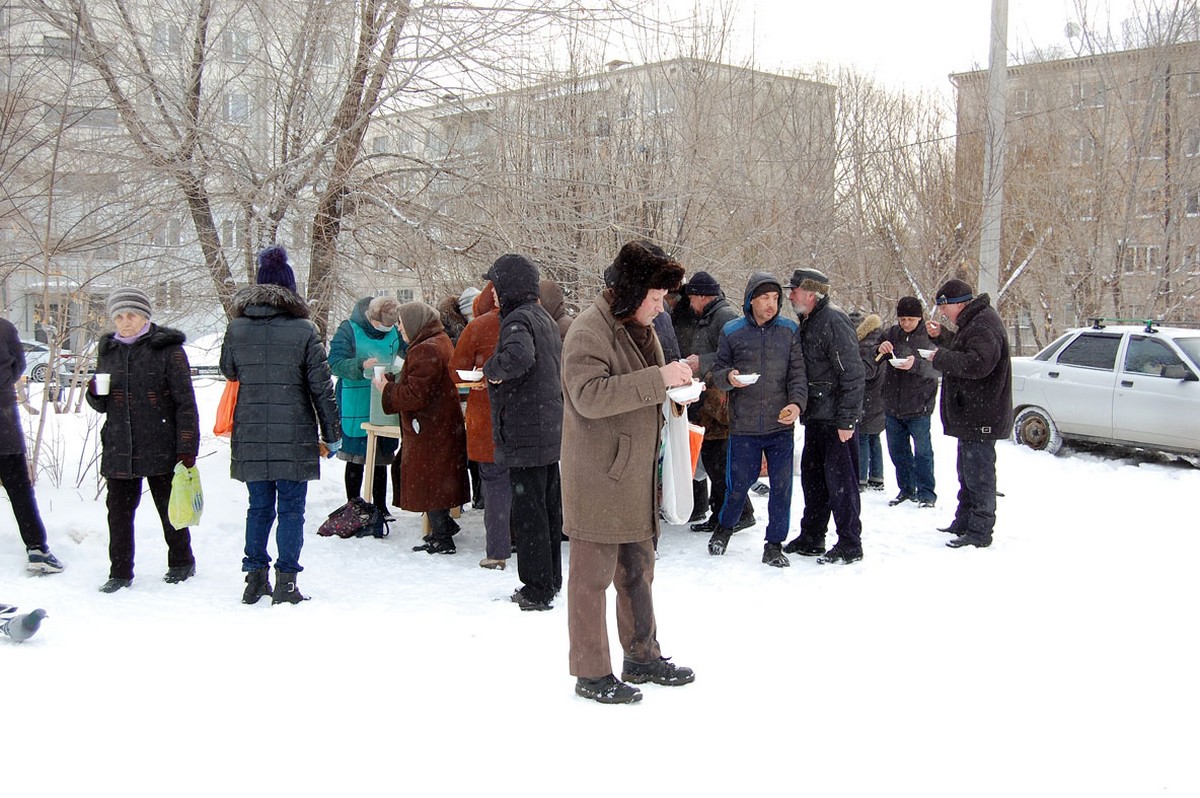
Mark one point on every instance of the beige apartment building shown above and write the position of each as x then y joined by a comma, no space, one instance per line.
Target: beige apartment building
1102,186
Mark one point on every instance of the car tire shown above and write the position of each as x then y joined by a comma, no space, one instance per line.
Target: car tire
1034,428
39,372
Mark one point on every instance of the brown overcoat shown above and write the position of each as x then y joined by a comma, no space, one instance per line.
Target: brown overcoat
612,420
474,347
433,454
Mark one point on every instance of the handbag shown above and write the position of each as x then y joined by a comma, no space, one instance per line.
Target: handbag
677,465
355,519
187,497
225,408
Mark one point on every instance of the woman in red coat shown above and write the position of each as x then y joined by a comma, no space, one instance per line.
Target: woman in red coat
474,347
433,455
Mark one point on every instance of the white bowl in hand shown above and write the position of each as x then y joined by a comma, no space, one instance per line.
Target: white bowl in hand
898,361
686,393
474,375
746,379
927,353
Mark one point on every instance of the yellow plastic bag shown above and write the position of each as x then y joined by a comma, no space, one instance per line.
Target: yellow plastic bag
187,498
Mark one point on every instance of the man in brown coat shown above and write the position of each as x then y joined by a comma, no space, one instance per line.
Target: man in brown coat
614,381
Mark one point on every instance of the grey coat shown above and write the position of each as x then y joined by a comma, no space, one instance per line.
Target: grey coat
286,392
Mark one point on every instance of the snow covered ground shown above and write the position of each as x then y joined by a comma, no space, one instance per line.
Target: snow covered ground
1059,661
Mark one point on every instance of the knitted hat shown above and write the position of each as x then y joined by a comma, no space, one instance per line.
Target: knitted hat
953,292
129,299
766,288
466,301
702,284
639,268
273,268
909,306
809,280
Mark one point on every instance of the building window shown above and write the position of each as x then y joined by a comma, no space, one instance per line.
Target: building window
237,45
379,145
1087,96
1191,142
236,108
1191,203
1191,84
405,294
167,39
1083,150
167,234
231,238
58,47
1138,258
1022,101
1149,203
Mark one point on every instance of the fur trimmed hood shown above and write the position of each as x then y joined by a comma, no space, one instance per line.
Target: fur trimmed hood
865,325
272,296
157,338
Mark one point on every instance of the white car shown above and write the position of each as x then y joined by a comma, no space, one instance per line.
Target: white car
1125,385
37,361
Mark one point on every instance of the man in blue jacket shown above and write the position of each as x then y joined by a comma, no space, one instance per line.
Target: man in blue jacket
829,461
762,410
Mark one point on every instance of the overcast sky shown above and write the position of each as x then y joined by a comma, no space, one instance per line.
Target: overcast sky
914,44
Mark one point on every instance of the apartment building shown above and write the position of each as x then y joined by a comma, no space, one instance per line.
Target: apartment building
1102,186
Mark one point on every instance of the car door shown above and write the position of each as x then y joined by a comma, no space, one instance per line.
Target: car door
1151,404
1078,384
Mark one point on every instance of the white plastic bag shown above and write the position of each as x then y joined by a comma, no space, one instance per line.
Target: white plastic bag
676,466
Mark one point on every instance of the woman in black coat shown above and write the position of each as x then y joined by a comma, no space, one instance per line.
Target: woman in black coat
150,424
285,399
14,472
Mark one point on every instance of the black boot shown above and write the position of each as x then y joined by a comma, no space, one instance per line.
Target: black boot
719,540
286,591
258,584
699,500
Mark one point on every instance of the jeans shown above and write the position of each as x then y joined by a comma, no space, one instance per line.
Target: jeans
870,457
976,513
265,497
497,501
742,469
911,451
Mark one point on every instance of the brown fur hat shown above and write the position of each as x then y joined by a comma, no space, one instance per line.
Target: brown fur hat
640,267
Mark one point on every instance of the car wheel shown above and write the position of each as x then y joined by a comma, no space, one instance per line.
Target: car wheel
39,373
1034,428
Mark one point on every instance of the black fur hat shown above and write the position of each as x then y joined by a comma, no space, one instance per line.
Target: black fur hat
640,267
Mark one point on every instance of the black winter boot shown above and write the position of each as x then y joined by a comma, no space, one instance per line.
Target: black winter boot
286,591
719,541
257,585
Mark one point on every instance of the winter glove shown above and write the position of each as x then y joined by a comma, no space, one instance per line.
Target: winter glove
188,460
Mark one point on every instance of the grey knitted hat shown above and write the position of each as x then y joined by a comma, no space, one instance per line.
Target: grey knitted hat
134,299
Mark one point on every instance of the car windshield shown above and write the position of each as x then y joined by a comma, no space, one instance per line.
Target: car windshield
1191,348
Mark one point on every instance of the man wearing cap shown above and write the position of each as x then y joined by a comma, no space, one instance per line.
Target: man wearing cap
976,403
909,394
829,460
710,312
762,411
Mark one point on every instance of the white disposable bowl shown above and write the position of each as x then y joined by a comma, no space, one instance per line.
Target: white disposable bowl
470,376
927,353
747,379
686,393
897,361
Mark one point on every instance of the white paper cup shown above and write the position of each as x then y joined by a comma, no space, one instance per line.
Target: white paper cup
103,384
380,371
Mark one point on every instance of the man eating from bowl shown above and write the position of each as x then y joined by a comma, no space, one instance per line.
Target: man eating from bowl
760,362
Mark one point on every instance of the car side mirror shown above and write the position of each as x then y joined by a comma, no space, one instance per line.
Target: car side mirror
1178,371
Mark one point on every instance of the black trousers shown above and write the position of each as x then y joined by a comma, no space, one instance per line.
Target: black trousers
14,473
975,516
354,482
829,480
124,496
536,520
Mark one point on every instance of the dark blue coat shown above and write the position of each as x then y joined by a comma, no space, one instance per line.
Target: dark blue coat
836,375
770,350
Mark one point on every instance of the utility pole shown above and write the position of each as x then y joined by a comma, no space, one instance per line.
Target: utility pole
993,153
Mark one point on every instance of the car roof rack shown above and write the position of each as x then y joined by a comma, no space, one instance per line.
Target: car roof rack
1151,324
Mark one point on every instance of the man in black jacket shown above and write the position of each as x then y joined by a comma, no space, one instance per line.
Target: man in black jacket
525,390
909,394
976,403
829,460
709,312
